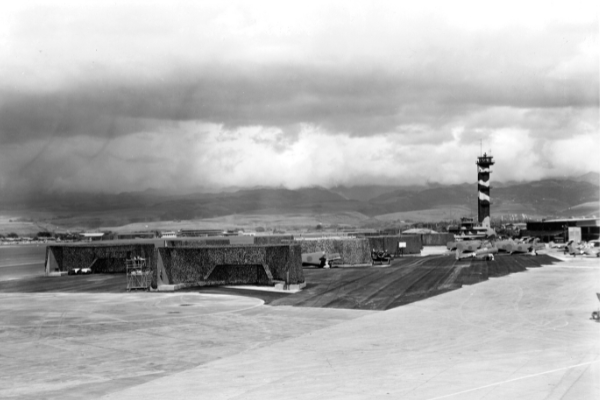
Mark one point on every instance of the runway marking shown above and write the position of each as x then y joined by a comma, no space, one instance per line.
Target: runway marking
513,380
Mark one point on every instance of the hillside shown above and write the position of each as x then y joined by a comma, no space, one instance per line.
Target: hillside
369,192
549,197
590,177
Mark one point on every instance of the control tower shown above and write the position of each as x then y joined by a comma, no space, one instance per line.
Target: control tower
483,185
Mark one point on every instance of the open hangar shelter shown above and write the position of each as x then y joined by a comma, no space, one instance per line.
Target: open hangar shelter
176,267
359,250
227,265
106,257
354,249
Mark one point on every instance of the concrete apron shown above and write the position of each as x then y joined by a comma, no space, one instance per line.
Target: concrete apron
85,345
527,335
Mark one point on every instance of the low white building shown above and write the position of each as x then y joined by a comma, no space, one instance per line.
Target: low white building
91,236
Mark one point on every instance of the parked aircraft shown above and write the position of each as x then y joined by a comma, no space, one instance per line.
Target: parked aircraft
505,245
484,253
529,245
554,245
591,251
468,246
573,248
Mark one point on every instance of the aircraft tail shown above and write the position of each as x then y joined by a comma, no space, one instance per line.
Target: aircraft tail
486,222
490,233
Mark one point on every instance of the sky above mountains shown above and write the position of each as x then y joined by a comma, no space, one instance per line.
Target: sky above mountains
100,96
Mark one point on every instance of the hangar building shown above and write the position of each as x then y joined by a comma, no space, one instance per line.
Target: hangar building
563,229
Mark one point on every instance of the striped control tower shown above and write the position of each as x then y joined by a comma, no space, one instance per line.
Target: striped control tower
483,184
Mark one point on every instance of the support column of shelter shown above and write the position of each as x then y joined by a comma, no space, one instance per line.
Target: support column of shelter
51,264
483,184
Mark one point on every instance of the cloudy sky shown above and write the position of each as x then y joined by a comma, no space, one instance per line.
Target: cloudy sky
121,96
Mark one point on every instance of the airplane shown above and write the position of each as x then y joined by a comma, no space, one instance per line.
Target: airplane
534,241
575,249
554,245
505,245
464,240
485,253
591,251
469,245
526,245
528,248
572,248
592,248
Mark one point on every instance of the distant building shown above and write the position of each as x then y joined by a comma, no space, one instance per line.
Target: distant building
466,226
166,235
136,235
391,231
92,236
516,226
560,229
418,231
360,232
200,232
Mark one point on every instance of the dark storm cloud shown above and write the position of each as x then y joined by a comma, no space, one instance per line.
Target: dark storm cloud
67,113
360,103
116,97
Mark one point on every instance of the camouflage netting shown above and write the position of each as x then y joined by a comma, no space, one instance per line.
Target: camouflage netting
385,243
413,244
390,244
276,239
198,243
101,258
352,251
232,264
437,239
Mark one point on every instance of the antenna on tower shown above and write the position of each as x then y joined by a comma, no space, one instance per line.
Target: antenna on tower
480,147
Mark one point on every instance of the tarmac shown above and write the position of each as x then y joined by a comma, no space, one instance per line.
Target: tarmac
522,336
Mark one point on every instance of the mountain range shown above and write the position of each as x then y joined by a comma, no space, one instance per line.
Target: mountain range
557,197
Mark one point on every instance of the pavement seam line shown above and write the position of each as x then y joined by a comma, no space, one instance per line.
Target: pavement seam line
514,379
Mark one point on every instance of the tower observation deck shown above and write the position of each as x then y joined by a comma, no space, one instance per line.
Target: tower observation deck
483,186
